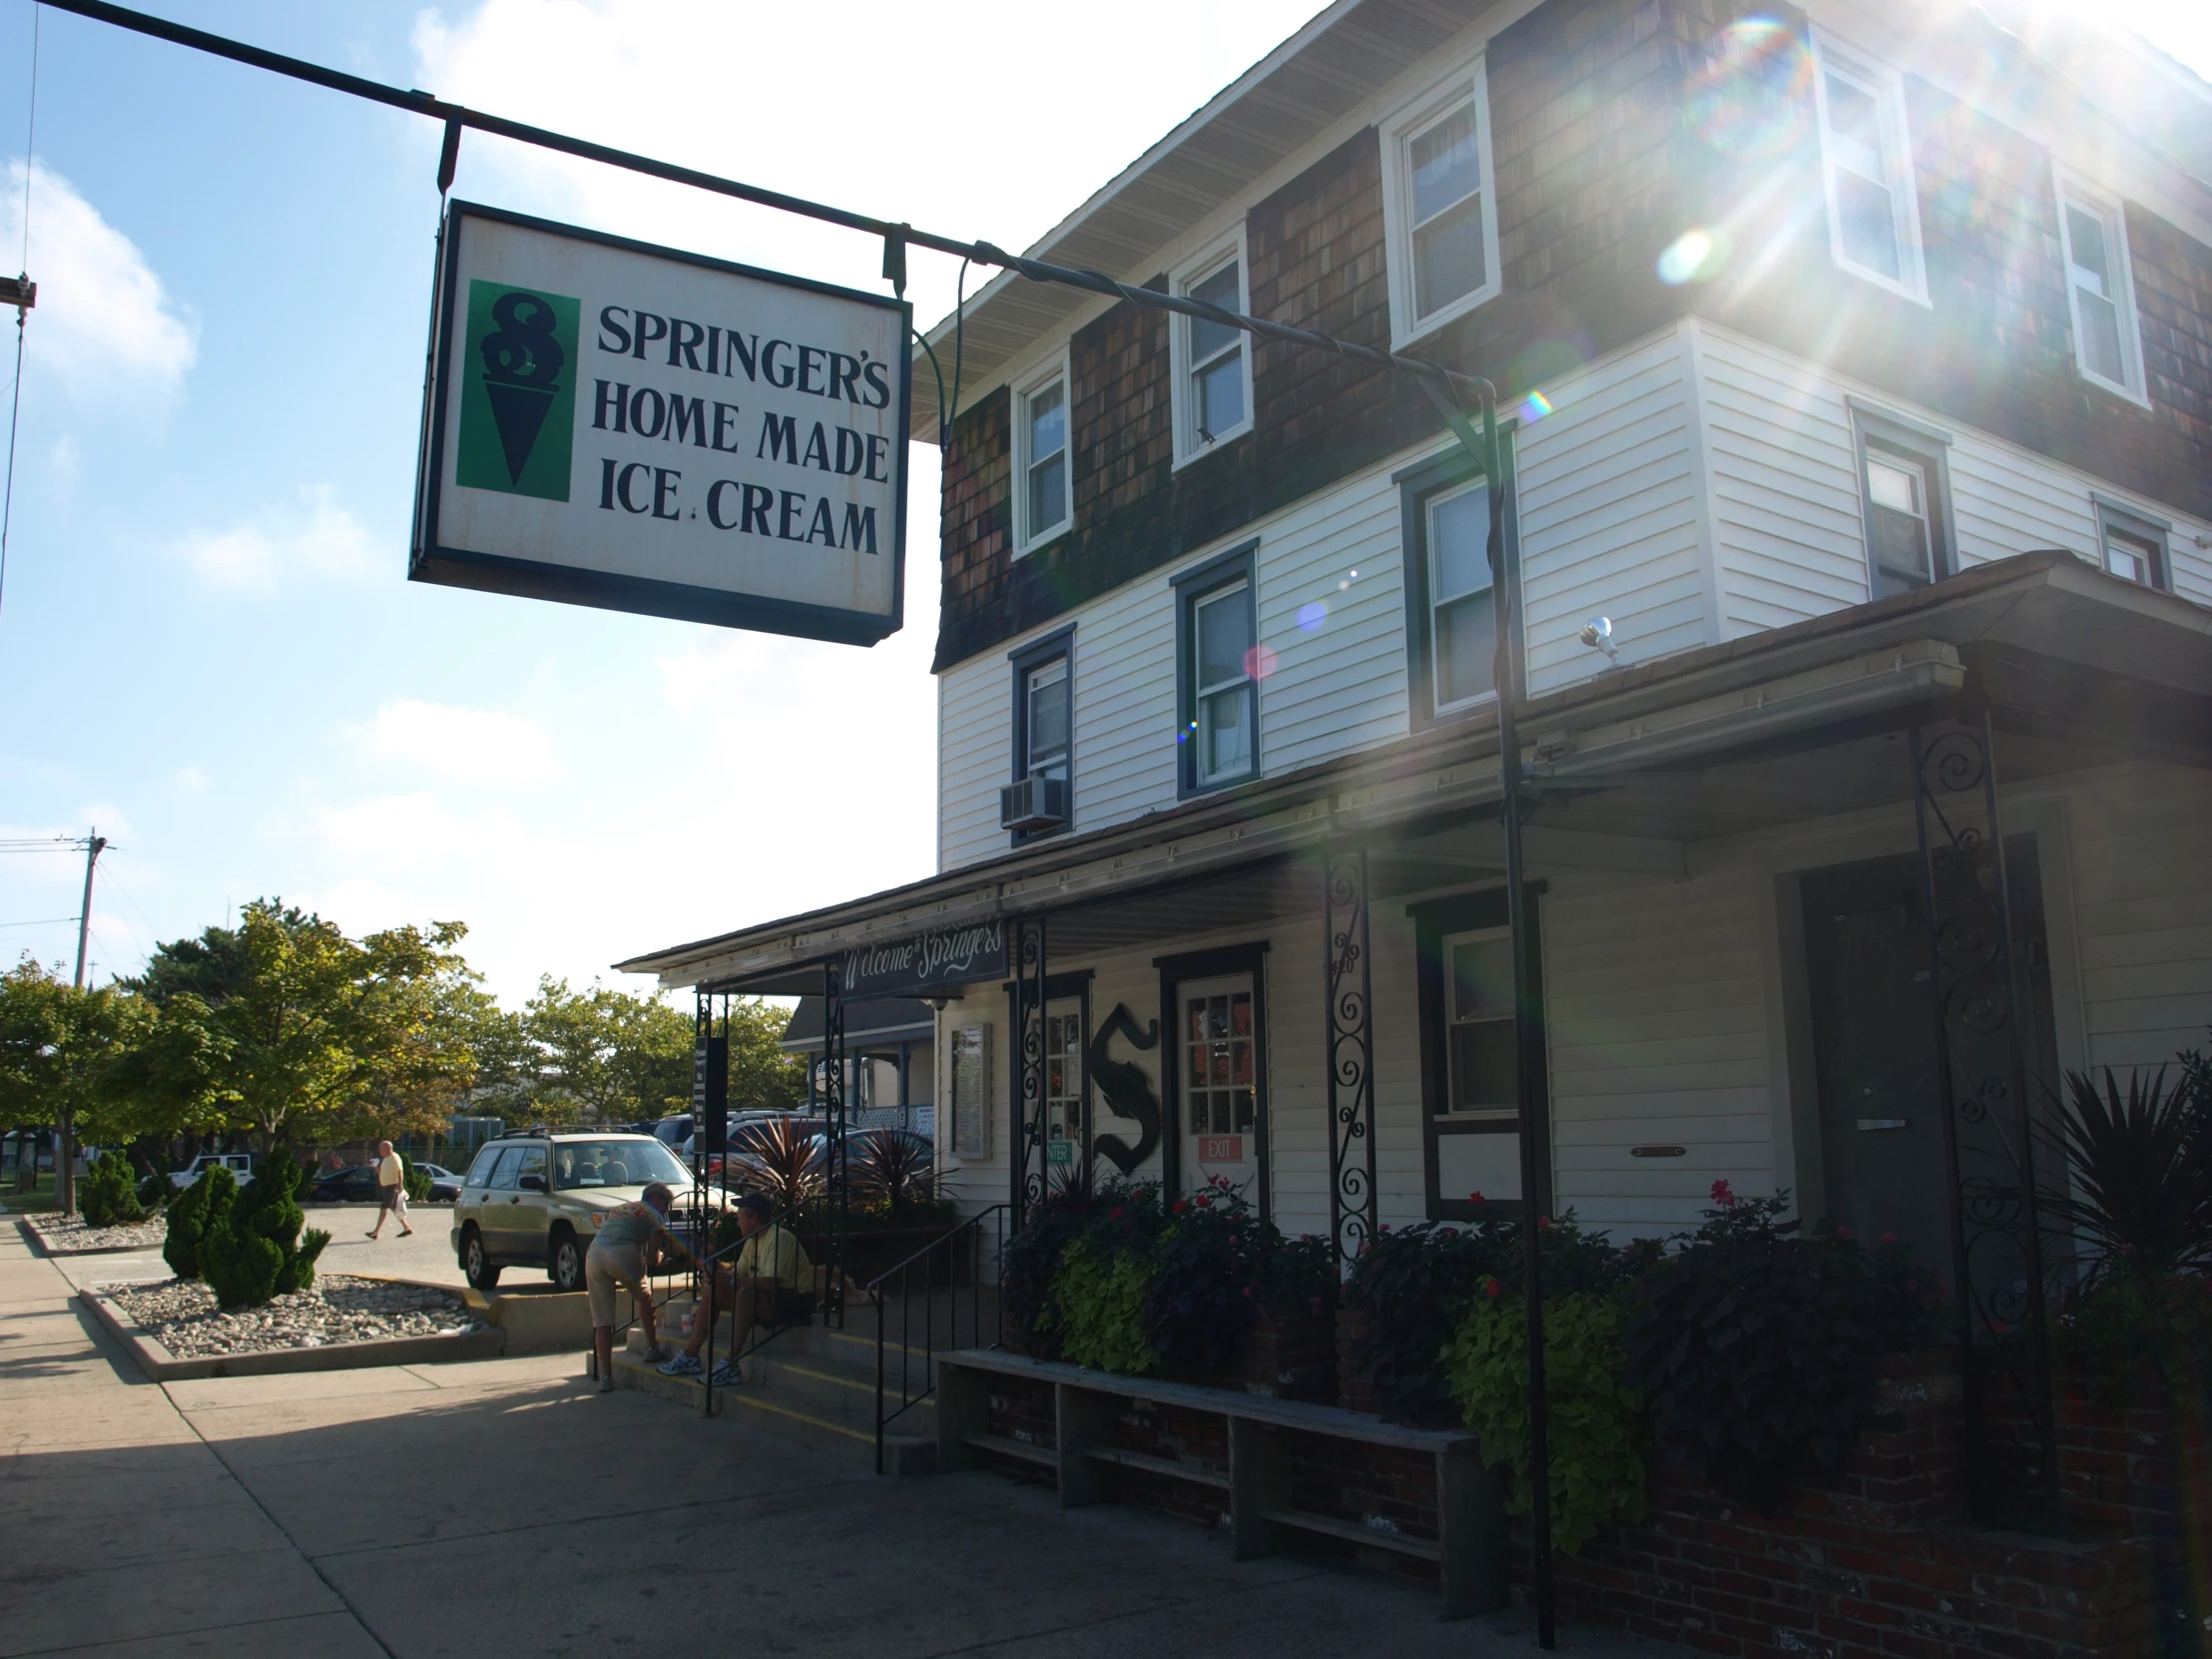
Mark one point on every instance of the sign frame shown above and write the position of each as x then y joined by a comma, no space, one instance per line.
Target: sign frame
457,567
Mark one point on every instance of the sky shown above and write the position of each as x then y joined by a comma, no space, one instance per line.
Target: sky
208,650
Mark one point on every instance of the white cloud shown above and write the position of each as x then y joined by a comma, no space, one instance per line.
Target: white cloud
191,780
408,828
487,746
319,536
105,330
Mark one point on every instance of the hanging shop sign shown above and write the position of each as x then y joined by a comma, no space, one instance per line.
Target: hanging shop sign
637,428
926,961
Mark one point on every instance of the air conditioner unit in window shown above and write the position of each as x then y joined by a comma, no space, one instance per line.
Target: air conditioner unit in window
1033,804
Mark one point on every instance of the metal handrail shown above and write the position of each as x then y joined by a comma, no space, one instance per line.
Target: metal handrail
970,1232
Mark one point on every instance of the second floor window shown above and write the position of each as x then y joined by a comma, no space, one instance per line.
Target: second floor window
2133,548
2100,289
1045,505
1040,799
1213,362
1440,201
1045,725
1217,672
1906,505
1872,213
1464,615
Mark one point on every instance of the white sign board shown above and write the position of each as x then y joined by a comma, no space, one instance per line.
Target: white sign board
614,425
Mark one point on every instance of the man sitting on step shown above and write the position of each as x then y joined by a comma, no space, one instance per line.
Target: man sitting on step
770,1283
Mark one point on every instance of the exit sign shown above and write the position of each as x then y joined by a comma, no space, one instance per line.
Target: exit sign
1221,1149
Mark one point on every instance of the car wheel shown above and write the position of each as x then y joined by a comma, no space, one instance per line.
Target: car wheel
476,1261
566,1269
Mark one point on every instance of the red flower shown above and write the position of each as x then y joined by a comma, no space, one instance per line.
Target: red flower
1477,1197
1180,1206
1723,1196
1114,1214
1543,1223
1491,1287
1889,1238
1843,1232
1205,1201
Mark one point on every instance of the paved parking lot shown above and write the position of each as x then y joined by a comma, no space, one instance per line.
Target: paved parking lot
500,1508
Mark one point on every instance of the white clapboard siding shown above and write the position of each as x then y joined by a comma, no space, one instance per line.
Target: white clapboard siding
1789,526
974,757
1658,1032
1607,496
2141,859
1401,1166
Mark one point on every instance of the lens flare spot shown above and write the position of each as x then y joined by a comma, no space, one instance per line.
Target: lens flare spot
1533,408
1695,256
1751,96
1311,615
1259,662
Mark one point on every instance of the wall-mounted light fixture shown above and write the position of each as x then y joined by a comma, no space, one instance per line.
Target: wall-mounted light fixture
1597,633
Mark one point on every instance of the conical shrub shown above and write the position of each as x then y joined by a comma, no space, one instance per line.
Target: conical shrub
109,1196
206,1202
257,1251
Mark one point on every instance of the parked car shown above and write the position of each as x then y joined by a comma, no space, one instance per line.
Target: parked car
675,1134
536,1200
240,1164
445,1185
355,1183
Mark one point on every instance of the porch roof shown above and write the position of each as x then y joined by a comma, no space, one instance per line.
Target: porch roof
1630,766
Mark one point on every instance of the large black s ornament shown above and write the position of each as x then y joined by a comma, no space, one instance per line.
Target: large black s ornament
1128,1091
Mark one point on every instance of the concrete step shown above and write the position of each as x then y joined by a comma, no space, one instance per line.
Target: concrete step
819,1400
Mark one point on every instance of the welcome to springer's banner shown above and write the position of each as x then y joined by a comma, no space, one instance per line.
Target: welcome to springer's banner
638,428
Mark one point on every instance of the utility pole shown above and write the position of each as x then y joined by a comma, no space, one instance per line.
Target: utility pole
65,1151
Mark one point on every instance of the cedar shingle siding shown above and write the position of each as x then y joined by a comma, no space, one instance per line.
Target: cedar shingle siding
1615,126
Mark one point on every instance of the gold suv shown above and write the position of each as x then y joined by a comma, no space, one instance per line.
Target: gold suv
535,1200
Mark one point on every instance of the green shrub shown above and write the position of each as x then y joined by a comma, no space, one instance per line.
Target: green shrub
1596,1420
154,1192
108,1195
257,1251
1759,1351
205,1202
1030,1265
418,1181
1098,1309
2131,1333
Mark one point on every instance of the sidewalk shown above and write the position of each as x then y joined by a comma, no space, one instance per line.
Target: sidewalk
499,1508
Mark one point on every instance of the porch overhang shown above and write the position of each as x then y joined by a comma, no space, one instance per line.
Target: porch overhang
1629,767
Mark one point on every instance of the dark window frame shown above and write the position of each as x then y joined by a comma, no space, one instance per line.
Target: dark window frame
1026,660
1213,964
1434,921
1202,580
1925,448
1416,486
2155,532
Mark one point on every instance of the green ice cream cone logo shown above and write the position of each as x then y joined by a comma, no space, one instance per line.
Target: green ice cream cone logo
519,395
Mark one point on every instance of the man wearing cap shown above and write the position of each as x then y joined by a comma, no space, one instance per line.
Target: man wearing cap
617,1261
770,1283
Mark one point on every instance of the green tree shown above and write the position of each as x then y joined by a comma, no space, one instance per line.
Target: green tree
61,1054
295,1030
608,1055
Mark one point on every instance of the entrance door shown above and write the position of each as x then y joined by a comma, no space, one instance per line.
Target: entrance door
1066,1136
1875,1049
1224,1104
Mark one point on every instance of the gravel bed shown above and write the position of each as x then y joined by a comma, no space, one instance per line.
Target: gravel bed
64,1235
182,1315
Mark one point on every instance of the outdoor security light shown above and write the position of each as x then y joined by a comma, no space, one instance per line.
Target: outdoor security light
1599,633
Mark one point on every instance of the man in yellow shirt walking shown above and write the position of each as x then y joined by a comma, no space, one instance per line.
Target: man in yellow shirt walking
770,1282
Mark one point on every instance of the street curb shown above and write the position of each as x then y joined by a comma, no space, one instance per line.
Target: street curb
161,1366
37,1236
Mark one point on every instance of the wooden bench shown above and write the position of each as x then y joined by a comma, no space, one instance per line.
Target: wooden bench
1471,1549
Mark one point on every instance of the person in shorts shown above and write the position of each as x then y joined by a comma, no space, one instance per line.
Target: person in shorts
391,1191
770,1283
620,1254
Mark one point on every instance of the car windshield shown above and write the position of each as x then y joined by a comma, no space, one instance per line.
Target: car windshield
626,1163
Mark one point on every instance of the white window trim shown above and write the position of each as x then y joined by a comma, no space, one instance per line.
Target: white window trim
1189,447
1397,193
1472,1114
1054,369
1248,683
2112,211
1888,89
1428,506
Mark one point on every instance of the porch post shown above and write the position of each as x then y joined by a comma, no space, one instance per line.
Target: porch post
1998,1266
1349,1022
1025,1154
833,1115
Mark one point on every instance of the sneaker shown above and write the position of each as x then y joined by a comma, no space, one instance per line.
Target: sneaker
605,1384
683,1365
656,1353
726,1375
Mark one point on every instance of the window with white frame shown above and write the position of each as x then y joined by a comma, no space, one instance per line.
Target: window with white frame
2132,547
1461,603
1874,216
1211,360
1043,488
1217,672
1045,719
2100,289
1441,201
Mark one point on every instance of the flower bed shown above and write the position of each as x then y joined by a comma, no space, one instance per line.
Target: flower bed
185,1318
74,1236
